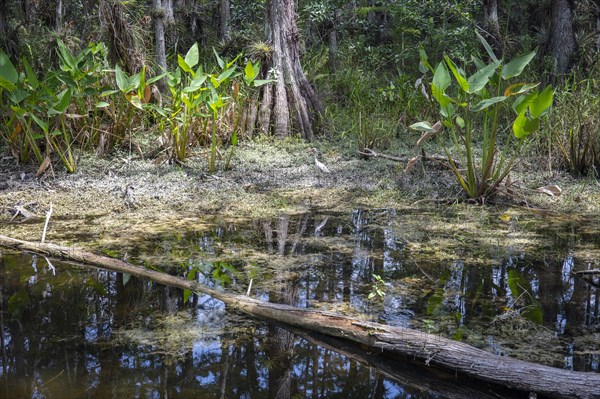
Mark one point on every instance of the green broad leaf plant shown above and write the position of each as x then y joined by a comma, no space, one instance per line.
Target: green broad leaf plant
480,108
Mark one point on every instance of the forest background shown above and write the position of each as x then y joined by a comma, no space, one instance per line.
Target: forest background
170,78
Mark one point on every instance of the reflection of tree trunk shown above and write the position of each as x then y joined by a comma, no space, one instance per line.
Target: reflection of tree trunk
251,365
226,366
300,229
395,341
291,104
562,40
268,230
281,345
284,223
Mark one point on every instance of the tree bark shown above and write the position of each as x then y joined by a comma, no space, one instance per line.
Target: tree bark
333,41
562,40
159,35
292,104
59,15
492,24
225,21
417,345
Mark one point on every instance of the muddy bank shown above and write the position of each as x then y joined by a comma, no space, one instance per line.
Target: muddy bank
109,199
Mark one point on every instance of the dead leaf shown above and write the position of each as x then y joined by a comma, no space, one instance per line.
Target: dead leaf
552,190
427,135
147,95
411,164
43,167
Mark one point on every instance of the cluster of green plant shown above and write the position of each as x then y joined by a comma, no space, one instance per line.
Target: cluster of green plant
477,109
54,112
78,107
575,127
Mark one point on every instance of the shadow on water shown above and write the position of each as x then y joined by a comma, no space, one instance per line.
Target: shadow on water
91,333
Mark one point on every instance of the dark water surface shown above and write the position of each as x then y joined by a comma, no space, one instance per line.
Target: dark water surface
84,332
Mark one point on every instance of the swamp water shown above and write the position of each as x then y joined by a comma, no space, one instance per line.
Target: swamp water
82,332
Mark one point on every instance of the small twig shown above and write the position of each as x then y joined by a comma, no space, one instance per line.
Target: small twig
249,288
48,214
424,273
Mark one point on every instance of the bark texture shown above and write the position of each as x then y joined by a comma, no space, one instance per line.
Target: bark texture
291,104
225,20
417,345
562,41
159,37
492,24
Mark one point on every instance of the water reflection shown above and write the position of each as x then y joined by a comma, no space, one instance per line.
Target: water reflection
83,333
100,334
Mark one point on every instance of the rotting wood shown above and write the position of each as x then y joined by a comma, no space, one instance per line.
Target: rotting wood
417,345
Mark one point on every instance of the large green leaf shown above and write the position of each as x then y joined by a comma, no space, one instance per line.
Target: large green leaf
423,127
226,73
251,72
516,66
183,65
39,122
192,57
480,79
122,79
64,99
219,59
487,47
523,126
7,69
522,103
440,96
424,64
66,57
543,103
458,73
441,77
196,84
483,104
31,78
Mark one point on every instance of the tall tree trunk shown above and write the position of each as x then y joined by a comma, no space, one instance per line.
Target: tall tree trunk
291,104
225,21
59,15
333,41
490,17
562,40
3,22
29,8
159,34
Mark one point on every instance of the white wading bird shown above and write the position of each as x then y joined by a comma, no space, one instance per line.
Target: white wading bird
321,167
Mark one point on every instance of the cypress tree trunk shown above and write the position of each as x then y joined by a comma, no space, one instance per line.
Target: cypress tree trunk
225,21
562,41
291,104
490,16
159,34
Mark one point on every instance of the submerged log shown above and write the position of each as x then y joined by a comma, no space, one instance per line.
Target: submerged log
417,345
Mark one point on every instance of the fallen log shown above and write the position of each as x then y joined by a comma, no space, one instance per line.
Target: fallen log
417,345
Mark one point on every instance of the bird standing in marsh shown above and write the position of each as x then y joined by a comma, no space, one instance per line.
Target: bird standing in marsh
320,166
